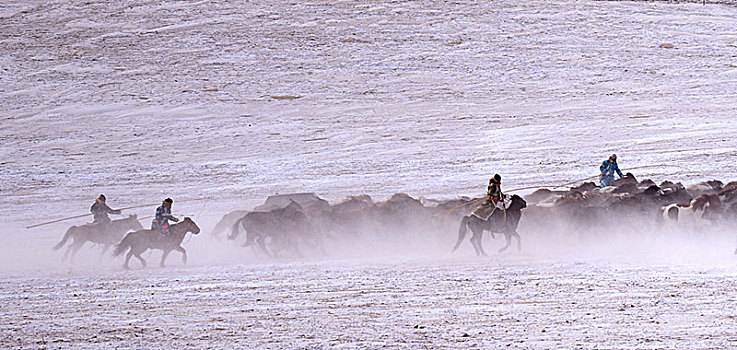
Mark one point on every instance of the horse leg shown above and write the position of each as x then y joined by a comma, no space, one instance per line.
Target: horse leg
508,237
262,244
67,253
294,243
519,240
462,229
138,255
105,247
75,248
163,257
479,242
476,241
184,253
127,259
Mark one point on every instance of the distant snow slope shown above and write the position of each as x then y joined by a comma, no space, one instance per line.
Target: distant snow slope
238,100
220,104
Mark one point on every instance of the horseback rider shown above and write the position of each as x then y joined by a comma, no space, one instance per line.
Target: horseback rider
494,199
608,167
100,210
163,215
494,191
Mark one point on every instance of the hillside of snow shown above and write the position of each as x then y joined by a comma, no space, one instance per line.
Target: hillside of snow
219,104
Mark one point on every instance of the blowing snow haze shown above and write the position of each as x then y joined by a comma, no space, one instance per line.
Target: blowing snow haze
219,105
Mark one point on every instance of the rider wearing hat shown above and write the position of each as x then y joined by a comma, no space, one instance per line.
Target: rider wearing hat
608,167
163,215
100,210
494,199
494,191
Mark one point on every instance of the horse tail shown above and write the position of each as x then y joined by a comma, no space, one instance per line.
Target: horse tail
462,231
221,226
234,232
224,223
64,240
124,244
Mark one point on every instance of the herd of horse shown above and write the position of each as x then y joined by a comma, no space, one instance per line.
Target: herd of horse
284,223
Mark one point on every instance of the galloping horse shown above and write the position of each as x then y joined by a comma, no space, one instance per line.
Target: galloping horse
281,225
498,222
97,233
704,209
143,240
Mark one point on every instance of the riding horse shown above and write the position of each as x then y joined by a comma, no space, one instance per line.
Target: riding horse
97,233
498,222
143,240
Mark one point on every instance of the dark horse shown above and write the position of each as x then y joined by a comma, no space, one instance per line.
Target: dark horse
281,225
143,240
496,223
96,233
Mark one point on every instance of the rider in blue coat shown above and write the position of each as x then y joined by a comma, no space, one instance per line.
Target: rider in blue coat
163,215
608,168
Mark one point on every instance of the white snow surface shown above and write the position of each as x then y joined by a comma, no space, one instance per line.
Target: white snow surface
219,104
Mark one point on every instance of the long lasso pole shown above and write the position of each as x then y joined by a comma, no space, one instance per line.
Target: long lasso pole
84,215
124,208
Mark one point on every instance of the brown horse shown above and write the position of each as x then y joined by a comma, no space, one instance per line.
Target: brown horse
97,233
498,222
282,226
143,240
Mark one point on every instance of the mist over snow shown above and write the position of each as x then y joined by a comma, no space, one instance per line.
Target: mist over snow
220,104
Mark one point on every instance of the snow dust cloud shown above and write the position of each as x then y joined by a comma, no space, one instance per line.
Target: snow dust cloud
220,105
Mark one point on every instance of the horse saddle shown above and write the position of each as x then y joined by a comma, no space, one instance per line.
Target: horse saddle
485,210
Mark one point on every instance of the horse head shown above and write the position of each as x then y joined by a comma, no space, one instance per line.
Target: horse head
190,225
517,203
292,207
652,190
571,198
133,222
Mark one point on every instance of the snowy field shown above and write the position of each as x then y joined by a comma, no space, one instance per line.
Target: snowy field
219,104
510,302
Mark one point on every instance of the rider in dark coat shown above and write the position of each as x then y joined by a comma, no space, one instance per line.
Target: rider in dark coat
494,198
163,215
494,191
100,210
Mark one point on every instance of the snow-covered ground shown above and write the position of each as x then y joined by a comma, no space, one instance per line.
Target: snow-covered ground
516,302
219,104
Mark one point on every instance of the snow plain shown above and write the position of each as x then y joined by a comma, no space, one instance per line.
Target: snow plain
219,104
